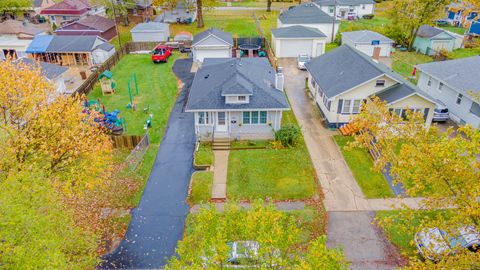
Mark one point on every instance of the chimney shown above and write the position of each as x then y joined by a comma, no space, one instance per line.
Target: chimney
279,80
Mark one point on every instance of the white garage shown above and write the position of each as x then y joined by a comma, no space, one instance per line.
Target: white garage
294,40
369,42
212,43
150,32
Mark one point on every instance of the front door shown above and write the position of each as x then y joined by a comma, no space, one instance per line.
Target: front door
221,122
376,53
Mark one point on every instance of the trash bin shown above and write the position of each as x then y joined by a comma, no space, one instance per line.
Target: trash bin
83,74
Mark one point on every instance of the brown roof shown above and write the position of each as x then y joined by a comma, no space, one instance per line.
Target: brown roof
13,27
67,7
97,22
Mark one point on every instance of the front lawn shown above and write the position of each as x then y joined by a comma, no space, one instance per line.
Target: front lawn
204,156
404,62
462,53
271,173
454,29
372,183
201,192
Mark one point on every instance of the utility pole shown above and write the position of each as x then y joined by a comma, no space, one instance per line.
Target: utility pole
334,19
116,26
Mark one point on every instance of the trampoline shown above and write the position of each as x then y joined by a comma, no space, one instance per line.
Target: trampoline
246,47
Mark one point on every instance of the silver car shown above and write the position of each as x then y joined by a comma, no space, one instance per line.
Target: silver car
440,114
302,60
432,243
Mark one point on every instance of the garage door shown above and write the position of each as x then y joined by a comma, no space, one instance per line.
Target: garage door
438,45
201,54
294,47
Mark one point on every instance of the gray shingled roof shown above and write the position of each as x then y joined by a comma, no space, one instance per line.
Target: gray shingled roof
461,74
297,31
343,2
395,93
427,31
345,68
225,36
51,71
72,43
105,46
150,27
366,36
245,75
307,13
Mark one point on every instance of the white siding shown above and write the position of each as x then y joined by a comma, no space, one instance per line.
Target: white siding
295,47
150,36
200,53
360,10
385,48
326,28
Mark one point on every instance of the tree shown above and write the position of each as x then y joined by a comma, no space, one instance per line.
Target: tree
277,234
204,5
409,15
14,5
269,5
442,167
119,8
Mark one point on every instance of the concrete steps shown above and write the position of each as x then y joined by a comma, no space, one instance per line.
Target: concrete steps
221,144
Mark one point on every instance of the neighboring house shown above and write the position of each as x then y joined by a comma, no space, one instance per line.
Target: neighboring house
431,40
344,8
39,5
140,11
370,43
462,14
150,31
212,43
53,73
66,11
183,11
237,98
451,82
294,40
16,36
71,50
342,79
309,15
93,25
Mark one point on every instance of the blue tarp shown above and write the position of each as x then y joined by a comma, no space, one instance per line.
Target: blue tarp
475,28
451,15
39,44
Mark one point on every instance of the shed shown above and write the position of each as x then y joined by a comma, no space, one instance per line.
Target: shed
212,43
369,42
150,32
294,40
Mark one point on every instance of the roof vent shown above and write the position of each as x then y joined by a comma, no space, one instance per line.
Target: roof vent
206,76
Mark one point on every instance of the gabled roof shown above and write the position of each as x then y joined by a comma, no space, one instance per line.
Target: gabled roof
73,43
67,7
97,22
222,76
150,27
345,68
460,74
14,27
105,46
344,2
298,31
366,36
222,35
427,31
39,44
51,71
307,13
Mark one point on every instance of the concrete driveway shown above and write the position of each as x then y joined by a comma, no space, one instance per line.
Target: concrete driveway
349,219
157,223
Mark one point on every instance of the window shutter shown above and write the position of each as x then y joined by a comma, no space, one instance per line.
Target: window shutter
340,104
425,113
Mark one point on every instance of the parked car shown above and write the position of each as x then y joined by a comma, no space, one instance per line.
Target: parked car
302,60
161,53
352,16
433,243
440,114
243,254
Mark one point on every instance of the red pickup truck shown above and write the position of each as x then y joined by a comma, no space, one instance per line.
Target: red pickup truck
161,53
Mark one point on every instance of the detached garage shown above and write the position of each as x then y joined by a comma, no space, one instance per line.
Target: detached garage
291,41
212,43
369,42
150,32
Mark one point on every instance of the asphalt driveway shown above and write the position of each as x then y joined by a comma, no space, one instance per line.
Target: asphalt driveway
158,222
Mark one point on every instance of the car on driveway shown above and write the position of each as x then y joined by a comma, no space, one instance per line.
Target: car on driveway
433,243
161,53
440,114
302,60
244,254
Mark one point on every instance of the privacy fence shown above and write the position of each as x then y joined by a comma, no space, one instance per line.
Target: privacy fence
267,46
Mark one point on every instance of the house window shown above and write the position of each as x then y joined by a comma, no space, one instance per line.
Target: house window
380,83
242,98
255,117
363,6
53,19
346,106
429,83
314,84
440,86
203,118
356,106
331,9
398,111
64,18
351,106
459,99
351,8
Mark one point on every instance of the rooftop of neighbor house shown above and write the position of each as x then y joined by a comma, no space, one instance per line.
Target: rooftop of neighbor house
219,77
344,2
344,68
427,31
51,71
366,36
150,27
220,34
65,44
461,74
93,22
14,27
297,31
307,13
67,7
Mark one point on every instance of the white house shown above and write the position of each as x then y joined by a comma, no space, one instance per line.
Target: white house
369,42
342,79
344,8
294,40
53,73
212,43
309,15
452,82
150,32
237,98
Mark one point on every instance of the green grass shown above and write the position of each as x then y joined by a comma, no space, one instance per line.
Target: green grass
462,53
372,183
454,29
330,46
404,62
277,174
250,144
204,155
268,21
201,187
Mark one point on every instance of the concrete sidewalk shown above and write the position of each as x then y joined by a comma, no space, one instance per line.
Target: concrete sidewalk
282,206
219,188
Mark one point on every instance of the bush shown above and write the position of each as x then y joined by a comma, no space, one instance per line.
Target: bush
288,135
368,16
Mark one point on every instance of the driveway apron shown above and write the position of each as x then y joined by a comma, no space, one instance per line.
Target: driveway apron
158,222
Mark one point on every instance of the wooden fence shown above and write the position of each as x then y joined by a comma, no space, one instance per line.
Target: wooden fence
125,141
268,48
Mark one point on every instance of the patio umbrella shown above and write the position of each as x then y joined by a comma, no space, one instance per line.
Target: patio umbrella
183,36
